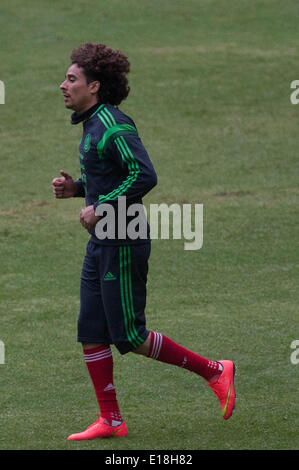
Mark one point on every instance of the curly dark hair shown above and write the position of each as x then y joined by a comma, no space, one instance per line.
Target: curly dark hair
106,65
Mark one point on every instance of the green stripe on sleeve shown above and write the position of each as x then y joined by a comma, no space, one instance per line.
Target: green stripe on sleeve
112,133
116,132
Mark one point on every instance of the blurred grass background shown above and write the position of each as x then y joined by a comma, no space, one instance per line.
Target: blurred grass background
210,95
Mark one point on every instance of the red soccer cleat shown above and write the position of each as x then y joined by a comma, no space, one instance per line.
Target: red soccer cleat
223,387
100,429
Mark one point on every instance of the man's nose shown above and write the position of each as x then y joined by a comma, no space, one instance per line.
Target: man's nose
62,86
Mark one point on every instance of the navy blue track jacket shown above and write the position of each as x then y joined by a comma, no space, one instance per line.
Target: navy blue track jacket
114,163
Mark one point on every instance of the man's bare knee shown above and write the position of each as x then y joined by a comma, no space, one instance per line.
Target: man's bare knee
91,345
144,348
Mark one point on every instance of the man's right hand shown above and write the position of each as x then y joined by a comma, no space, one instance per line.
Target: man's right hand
64,186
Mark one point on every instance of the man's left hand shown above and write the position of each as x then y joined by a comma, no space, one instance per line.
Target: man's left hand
88,219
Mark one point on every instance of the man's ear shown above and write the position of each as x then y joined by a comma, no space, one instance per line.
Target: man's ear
94,87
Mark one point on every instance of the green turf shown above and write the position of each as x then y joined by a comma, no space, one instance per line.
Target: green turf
210,94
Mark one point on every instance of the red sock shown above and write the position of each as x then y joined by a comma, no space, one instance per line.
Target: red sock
99,362
165,350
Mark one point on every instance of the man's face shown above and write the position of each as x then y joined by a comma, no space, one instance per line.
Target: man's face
78,94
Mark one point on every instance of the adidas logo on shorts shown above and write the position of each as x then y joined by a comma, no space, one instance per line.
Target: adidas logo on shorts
109,277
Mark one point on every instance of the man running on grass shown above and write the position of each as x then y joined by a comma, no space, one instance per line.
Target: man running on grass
115,165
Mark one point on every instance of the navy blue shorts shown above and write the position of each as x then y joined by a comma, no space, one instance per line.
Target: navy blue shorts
113,295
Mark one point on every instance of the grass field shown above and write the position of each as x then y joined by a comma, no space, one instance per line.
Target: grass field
210,94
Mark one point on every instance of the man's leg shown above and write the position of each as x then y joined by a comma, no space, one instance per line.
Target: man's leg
94,336
99,362
220,375
98,358
160,347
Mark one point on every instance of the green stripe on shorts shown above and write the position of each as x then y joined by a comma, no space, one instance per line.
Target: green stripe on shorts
127,296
